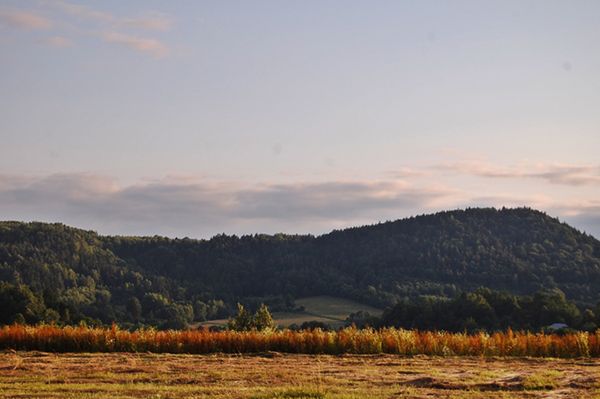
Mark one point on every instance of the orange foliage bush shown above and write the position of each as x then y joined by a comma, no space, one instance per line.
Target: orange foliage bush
349,340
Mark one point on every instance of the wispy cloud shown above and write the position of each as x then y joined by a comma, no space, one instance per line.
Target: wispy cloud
24,19
200,208
58,41
407,172
575,175
153,47
82,11
150,20
331,199
70,19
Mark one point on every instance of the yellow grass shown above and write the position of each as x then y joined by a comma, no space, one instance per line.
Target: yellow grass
27,375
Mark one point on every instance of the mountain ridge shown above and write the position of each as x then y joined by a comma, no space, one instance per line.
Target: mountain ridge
75,274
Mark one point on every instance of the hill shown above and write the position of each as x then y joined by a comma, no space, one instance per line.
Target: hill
56,272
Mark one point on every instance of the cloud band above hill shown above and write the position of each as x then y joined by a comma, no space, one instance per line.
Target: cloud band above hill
178,204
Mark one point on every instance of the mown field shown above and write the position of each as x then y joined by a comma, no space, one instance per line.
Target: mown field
278,376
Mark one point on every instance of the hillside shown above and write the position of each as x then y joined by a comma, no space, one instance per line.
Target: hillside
55,272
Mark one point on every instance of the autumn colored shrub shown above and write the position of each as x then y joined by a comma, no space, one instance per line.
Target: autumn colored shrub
52,338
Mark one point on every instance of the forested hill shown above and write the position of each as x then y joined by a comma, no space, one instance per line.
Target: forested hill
55,272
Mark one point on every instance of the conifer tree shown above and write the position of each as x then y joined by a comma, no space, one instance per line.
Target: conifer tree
263,319
242,321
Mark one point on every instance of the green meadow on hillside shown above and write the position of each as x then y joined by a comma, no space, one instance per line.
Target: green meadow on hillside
325,309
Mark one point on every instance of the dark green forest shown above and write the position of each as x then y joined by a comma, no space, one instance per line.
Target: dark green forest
56,273
485,309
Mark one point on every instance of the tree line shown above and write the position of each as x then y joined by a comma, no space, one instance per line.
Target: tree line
55,273
487,310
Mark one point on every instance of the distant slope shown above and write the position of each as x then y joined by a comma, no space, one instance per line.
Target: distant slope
325,309
70,274
334,308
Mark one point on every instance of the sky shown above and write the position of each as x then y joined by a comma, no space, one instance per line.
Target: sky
194,118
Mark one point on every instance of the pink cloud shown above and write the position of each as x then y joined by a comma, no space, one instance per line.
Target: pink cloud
144,45
187,206
24,20
187,201
149,21
58,41
574,175
82,11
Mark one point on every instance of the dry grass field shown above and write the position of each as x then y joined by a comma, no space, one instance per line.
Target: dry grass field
278,376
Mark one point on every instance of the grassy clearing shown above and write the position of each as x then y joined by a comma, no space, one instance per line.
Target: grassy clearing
123,375
326,309
334,308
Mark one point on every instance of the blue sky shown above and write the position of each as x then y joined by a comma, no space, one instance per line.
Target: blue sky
191,118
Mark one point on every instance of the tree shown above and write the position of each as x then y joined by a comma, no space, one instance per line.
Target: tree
154,305
200,310
134,308
178,316
263,319
19,304
361,319
242,321
551,306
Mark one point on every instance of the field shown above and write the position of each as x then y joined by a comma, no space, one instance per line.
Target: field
349,363
278,376
326,309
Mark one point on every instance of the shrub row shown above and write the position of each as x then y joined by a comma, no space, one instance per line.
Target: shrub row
350,340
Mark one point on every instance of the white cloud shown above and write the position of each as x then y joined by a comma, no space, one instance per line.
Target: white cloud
574,175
